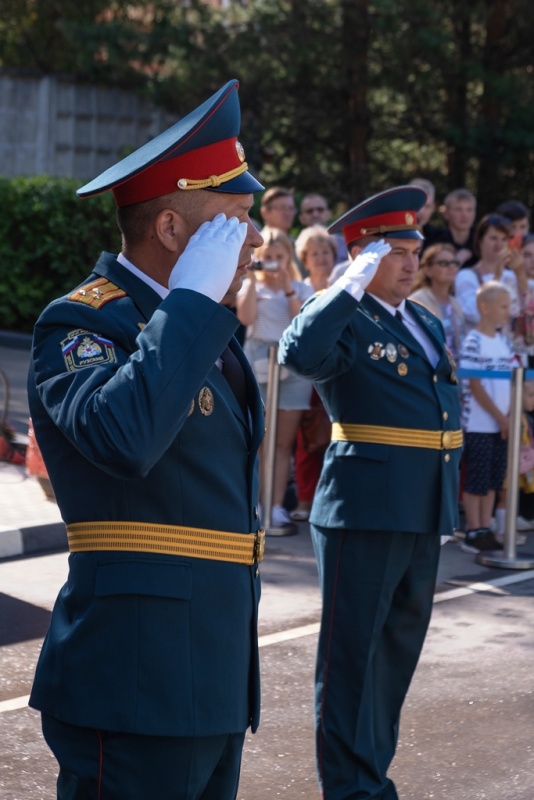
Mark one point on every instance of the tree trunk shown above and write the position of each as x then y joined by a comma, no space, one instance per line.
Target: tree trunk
491,113
456,99
355,33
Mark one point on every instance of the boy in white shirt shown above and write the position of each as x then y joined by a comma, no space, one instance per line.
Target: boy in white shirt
485,408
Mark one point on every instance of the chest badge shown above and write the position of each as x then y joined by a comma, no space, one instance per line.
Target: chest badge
403,351
376,351
205,401
391,352
402,369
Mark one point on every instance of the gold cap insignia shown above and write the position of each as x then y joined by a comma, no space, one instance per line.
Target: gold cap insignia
240,151
409,218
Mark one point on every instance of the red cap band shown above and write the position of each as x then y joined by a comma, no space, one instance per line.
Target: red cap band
394,220
163,176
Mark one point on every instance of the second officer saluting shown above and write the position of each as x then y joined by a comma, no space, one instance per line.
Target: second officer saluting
388,487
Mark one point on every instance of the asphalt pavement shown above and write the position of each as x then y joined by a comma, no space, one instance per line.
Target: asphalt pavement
467,726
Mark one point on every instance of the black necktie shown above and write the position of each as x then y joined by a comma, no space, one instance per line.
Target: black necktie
235,375
399,316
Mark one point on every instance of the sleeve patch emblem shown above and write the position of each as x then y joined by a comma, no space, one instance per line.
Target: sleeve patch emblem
84,349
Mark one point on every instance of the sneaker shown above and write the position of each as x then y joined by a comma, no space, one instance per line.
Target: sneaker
281,525
480,541
301,512
522,524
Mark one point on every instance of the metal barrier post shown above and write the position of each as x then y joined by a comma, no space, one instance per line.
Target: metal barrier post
508,559
269,460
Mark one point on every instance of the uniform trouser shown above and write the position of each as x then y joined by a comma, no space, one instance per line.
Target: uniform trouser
98,765
377,589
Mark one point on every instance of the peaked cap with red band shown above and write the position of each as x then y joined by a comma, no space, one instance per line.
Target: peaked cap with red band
200,152
391,213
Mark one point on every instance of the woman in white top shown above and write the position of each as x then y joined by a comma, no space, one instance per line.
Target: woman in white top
433,288
269,299
497,262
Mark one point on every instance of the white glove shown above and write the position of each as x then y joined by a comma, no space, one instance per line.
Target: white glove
362,270
210,259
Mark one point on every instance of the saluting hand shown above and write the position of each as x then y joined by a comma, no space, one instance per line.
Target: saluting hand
209,261
361,272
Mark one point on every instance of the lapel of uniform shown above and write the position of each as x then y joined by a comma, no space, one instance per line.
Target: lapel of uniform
398,331
254,401
431,325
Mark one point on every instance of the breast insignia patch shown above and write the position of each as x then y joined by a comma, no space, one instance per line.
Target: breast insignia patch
84,349
97,293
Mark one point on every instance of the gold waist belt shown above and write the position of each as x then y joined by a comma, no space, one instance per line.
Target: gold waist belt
174,540
403,437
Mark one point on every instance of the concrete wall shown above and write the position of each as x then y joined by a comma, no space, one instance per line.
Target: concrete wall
54,126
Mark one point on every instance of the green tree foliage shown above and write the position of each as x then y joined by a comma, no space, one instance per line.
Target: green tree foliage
339,96
49,242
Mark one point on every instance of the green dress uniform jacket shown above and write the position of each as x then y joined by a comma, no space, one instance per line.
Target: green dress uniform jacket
369,370
137,423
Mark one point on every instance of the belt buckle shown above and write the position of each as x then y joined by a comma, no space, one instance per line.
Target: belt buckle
259,545
446,440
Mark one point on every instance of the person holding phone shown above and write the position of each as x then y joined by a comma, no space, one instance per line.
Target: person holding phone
496,261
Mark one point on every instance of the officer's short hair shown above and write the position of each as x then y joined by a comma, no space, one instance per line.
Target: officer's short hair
134,221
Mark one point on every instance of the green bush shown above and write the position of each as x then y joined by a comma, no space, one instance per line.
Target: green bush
49,242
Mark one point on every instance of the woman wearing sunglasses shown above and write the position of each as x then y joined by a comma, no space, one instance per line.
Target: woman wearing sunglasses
433,288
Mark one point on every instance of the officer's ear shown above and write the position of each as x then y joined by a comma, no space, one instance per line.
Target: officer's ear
171,230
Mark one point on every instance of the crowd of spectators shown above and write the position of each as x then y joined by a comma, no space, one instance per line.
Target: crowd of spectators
461,254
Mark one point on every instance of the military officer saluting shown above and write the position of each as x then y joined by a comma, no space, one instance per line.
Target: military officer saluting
149,420
388,488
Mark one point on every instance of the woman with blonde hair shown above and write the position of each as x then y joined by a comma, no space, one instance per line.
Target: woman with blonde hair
316,250
271,295
434,287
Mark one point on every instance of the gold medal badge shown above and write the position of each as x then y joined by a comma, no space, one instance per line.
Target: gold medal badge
205,401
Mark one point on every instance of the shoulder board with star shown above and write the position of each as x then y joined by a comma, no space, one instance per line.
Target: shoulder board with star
97,293
425,309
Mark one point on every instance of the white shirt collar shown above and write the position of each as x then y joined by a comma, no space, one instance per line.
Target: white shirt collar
391,309
161,290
